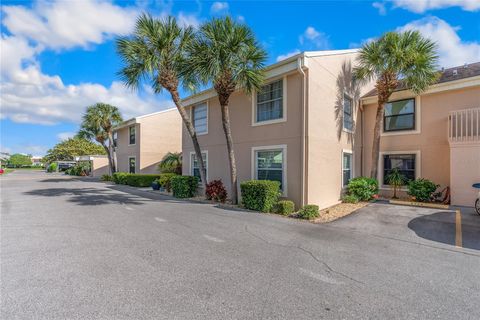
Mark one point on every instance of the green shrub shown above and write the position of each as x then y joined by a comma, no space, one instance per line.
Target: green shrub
184,186
350,198
363,188
165,181
106,177
52,167
141,180
421,189
120,177
260,195
310,211
284,207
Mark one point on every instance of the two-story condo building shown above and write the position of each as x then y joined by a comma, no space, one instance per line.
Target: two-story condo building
142,142
311,126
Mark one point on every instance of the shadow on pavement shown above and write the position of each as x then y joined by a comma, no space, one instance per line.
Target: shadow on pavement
88,196
440,227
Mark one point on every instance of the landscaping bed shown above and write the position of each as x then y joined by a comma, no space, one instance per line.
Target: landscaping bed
338,211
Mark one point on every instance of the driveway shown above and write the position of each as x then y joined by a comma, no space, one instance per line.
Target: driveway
80,249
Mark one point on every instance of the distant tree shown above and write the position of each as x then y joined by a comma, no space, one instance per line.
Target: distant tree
171,163
396,57
68,149
97,124
18,160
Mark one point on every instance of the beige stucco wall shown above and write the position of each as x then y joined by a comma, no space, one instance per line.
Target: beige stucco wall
431,141
100,166
464,171
246,137
156,135
329,79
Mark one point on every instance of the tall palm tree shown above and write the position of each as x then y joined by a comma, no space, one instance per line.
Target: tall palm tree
98,123
155,53
396,57
226,54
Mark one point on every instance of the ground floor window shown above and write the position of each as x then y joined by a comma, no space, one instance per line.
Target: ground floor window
131,165
405,163
195,166
347,172
270,165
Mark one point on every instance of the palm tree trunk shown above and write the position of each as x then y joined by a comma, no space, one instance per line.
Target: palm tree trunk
110,163
191,131
376,140
111,153
231,153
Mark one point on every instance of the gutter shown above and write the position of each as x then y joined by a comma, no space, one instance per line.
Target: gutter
304,184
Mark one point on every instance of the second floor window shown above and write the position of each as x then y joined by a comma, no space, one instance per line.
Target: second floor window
200,118
270,102
347,113
131,133
399,115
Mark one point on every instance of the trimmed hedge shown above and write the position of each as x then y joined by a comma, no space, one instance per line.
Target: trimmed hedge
363,188
120,177
141,180
284,207
184,186
421,189
52,167
310,211
165,181
260,195
106,177
350,198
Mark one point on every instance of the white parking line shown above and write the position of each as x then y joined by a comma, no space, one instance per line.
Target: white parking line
206,236
160,219
318,276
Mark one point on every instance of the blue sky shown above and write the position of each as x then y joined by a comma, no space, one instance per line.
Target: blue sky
59,57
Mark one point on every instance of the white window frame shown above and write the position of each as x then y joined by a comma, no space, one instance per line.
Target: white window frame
346,95
135,164
284,104
418,117
352,165
283,148
418,166
193,120
135,127
192,153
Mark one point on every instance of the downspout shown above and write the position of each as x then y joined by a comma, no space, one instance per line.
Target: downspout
304,184
361,137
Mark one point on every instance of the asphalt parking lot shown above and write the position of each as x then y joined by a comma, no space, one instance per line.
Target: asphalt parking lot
81,249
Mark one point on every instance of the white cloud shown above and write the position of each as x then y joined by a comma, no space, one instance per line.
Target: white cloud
380,6
420,6
29,95
452,50
65,135
219,7
61,24
313,38
187,20
288,55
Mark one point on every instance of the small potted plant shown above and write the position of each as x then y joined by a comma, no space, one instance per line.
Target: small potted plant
396,179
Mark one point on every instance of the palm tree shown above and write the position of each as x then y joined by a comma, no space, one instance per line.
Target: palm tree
226,54
155,53
171,162
98,123
396,57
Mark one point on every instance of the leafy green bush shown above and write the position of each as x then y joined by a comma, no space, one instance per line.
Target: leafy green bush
350,198
52,167
363,188
165,181
120,177
260,195
82,168
106,177
216,191
184,186
421,189
141,180
310,211
284,207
